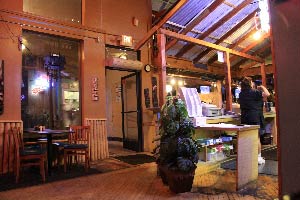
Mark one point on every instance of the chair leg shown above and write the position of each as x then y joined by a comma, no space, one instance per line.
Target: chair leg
42,169
87,161
65,162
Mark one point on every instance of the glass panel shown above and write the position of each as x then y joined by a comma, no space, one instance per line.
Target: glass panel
131,129
36,109
130,102
67,10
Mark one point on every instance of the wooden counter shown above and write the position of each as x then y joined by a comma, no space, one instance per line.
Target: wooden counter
223,119
247,144
235,119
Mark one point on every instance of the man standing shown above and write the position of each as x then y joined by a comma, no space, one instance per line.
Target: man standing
251,103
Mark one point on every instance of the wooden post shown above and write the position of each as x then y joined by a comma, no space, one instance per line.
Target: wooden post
263,74
228,83
160,62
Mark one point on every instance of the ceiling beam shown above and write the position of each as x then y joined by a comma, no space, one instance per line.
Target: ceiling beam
209,45
187,47
189,27
160,24
235,44
226,35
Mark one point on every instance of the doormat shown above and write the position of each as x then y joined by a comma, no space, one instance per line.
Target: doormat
269,168
136,159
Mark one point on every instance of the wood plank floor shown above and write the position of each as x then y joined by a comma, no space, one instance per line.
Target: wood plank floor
139,182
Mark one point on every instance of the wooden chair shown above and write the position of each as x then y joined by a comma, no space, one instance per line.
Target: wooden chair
78,146
27,156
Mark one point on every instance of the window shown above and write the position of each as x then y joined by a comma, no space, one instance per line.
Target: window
66,10
36,88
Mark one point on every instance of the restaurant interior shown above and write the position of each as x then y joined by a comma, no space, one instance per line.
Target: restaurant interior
82,65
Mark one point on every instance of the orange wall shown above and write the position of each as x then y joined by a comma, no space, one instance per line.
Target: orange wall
121,14
93,66
15,5
12,57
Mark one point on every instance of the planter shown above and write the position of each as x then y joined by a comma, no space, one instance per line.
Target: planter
179,181
162,172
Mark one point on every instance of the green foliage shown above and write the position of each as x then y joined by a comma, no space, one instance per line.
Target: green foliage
177,148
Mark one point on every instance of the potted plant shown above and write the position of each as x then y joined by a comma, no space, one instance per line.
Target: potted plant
177,152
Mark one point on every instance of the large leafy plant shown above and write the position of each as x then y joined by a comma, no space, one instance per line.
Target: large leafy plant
177,149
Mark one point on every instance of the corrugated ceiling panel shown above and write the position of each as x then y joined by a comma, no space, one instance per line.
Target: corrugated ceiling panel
228,25
213,17
174,49
208,56
191,9
234,2
241,31
191,54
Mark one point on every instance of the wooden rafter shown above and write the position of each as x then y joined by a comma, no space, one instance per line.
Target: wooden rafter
235,44
209,45
160,24
226,35
195,21
187,47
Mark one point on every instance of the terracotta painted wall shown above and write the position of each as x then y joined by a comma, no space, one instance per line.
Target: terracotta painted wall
11,5
12,57
93,66
285,18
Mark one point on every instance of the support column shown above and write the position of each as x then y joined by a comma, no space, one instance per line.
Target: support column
263,74
160,62
228,83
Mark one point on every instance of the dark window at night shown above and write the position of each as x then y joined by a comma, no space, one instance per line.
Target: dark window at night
63,54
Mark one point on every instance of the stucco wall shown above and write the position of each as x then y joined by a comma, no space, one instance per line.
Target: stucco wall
12,57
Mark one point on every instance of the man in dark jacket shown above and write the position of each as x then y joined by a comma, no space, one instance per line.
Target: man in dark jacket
251,103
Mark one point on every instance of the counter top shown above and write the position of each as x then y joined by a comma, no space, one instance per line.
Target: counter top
227,127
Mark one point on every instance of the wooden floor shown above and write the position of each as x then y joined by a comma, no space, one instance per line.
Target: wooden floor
142,183
139,182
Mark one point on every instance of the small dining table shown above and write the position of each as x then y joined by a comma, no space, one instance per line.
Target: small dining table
48,133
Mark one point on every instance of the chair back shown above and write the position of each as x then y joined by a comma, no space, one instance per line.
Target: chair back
80,136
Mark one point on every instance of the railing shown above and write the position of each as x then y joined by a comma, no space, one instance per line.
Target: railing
98,138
